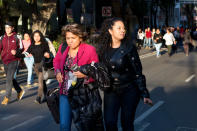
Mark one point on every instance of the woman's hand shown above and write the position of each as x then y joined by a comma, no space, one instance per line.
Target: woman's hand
47,55
13,52
78,74
148,101
59,77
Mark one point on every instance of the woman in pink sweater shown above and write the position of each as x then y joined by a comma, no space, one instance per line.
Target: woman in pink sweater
29,60
74,52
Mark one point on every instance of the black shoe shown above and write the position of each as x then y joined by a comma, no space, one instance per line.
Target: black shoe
38,100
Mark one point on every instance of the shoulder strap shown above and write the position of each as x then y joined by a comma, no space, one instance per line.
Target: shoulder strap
1,39
64,46
17,41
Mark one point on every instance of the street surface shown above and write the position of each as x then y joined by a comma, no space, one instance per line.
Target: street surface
170,80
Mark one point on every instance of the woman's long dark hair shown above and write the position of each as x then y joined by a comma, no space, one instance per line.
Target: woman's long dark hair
42,38
104,41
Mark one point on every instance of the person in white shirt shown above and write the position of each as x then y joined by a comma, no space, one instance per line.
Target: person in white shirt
140,38
170,40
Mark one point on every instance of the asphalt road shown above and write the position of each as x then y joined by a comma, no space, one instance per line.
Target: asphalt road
170,80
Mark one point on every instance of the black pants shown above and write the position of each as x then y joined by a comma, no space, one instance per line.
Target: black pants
127,101
10,70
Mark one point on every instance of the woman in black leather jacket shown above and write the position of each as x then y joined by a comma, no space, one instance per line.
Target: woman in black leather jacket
128,83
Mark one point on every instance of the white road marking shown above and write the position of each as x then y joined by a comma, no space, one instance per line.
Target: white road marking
151,54
190,78
185,129
144,126
24,123
9,117
148,112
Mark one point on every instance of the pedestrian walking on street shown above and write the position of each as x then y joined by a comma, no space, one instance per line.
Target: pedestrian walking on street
157,38
9,41
39,49
140,38
78,100
186,41
169,41
128,83
148,37
29,59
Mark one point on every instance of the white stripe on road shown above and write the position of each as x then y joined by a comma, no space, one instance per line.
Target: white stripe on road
148,112
24,123
190,78
9,117
185,129
144,127
152,53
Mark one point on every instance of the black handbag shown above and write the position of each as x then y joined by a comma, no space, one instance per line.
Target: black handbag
53,103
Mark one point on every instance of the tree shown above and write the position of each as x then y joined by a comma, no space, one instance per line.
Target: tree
42,10
139,8
39,11
189,14
165,5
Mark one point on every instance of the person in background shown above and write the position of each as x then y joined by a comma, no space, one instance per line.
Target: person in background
140,38
39,49
152,39
186,41
158,42
149,37
128,83
145,39
29,59
170,40
9,41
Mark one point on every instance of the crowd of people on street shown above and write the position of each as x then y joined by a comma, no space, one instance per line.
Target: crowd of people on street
77,68
170,37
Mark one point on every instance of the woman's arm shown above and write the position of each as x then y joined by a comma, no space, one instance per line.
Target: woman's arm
140,78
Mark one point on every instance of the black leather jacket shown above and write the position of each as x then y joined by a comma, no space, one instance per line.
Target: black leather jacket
125,69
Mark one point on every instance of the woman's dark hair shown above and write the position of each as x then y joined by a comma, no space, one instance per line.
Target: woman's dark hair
104,41
42,38
76,29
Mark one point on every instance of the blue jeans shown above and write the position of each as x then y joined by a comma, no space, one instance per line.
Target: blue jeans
29,61
158,46
65,114
147,42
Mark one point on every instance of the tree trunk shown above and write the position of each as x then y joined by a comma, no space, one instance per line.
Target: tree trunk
41,18
166,20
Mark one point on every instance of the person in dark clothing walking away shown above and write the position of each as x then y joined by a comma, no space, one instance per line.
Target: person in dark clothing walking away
9,42
39,49
128,83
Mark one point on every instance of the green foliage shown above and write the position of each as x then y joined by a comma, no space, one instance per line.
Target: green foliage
58,42
1,3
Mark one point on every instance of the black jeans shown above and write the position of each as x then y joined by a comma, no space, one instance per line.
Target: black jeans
10,70
127,101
